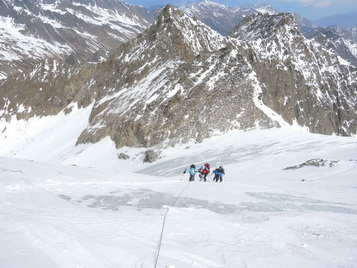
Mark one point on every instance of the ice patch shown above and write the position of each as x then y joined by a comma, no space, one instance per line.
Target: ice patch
283,202
148,199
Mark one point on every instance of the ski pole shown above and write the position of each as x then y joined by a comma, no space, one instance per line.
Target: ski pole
182,174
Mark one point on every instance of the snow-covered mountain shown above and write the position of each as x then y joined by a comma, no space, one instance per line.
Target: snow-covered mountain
180,81
87,178
220,17
343,42
291,68
223,19
78,30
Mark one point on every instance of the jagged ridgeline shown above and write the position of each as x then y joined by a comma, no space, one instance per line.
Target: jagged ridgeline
180,80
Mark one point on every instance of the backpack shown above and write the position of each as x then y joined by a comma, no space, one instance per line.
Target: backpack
192,171
221,170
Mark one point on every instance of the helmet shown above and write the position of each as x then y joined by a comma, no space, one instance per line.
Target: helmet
193,166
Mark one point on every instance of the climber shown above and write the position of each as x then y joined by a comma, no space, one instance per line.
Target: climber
204,171
192,171
218,174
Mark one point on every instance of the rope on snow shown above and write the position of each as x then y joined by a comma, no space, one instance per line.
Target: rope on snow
157,253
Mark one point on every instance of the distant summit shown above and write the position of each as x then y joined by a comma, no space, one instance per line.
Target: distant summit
223,19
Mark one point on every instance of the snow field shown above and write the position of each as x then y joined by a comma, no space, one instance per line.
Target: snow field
83,207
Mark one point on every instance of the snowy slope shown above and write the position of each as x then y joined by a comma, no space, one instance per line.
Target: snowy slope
343,42
68,205
89,209
31,31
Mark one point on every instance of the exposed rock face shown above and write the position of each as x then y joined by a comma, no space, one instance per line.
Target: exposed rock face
173,84
301,80
41,29
47,90
181,81
151,156
314,163
123,156
341,41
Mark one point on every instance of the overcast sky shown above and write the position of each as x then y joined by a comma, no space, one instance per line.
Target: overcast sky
311,9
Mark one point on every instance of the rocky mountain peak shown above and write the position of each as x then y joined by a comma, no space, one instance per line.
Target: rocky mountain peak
180,81
168,15
342,41
207,3
222,18
186,33
261,8
354,33
339,32
262,26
